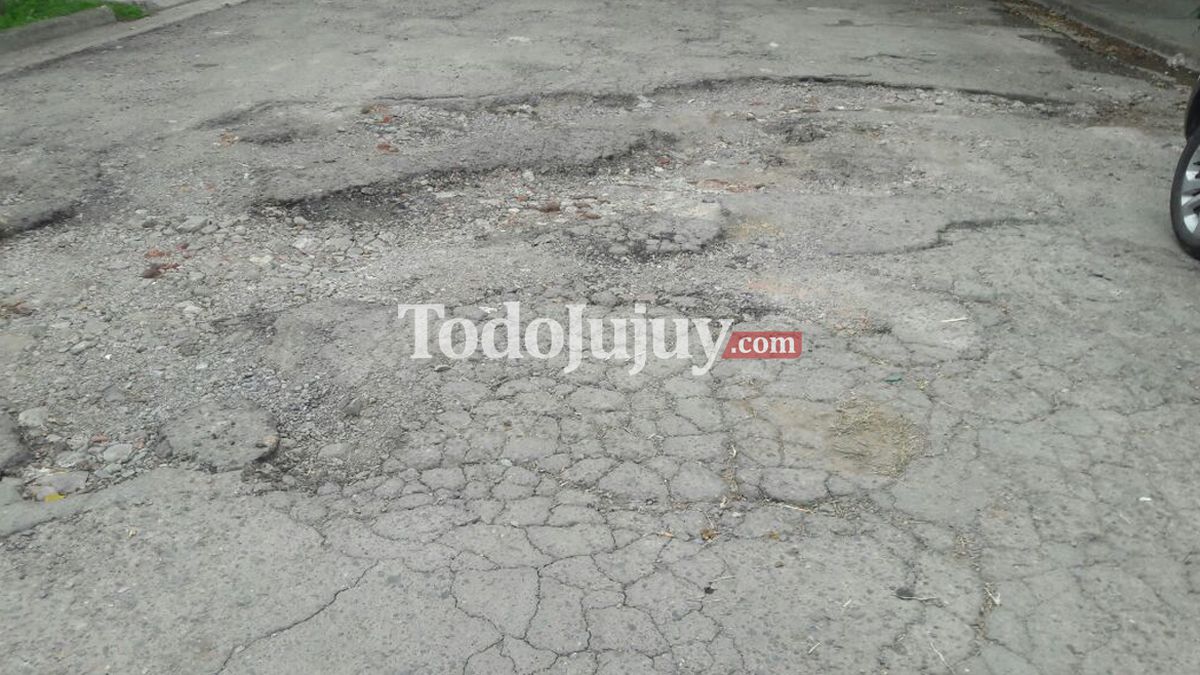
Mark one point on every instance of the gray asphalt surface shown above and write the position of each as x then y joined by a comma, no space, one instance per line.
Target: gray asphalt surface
219,456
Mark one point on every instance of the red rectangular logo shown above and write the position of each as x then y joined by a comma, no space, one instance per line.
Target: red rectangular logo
768,344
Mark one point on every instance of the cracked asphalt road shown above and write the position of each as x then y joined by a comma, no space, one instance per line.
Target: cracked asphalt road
219,457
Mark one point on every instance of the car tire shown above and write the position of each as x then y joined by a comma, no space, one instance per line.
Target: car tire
1185,188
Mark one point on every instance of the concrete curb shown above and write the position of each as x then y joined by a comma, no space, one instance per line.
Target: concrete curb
35,33
101,36
1118,27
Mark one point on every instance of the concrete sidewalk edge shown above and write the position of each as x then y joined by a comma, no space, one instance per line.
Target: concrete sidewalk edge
1098,20
14,39
100,36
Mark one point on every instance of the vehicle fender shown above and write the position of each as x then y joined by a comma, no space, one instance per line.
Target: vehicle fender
1192,123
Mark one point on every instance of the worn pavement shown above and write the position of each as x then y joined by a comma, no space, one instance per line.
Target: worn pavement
220,457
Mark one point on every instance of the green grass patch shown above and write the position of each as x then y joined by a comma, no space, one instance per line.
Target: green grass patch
20,12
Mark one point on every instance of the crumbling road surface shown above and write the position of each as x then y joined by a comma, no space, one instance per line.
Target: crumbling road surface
220,456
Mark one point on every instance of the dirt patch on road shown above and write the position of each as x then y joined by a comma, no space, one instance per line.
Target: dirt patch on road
854,438
874,438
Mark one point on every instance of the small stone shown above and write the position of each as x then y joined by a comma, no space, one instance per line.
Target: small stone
107,471
803,133
189,308
354,407
939,101
34,418
70,458
11,451
334,451
117,453
61,483
80,347
304,244
338,244
192,224
300,221
604,299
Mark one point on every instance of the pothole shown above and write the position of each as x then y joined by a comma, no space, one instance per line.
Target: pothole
672,224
